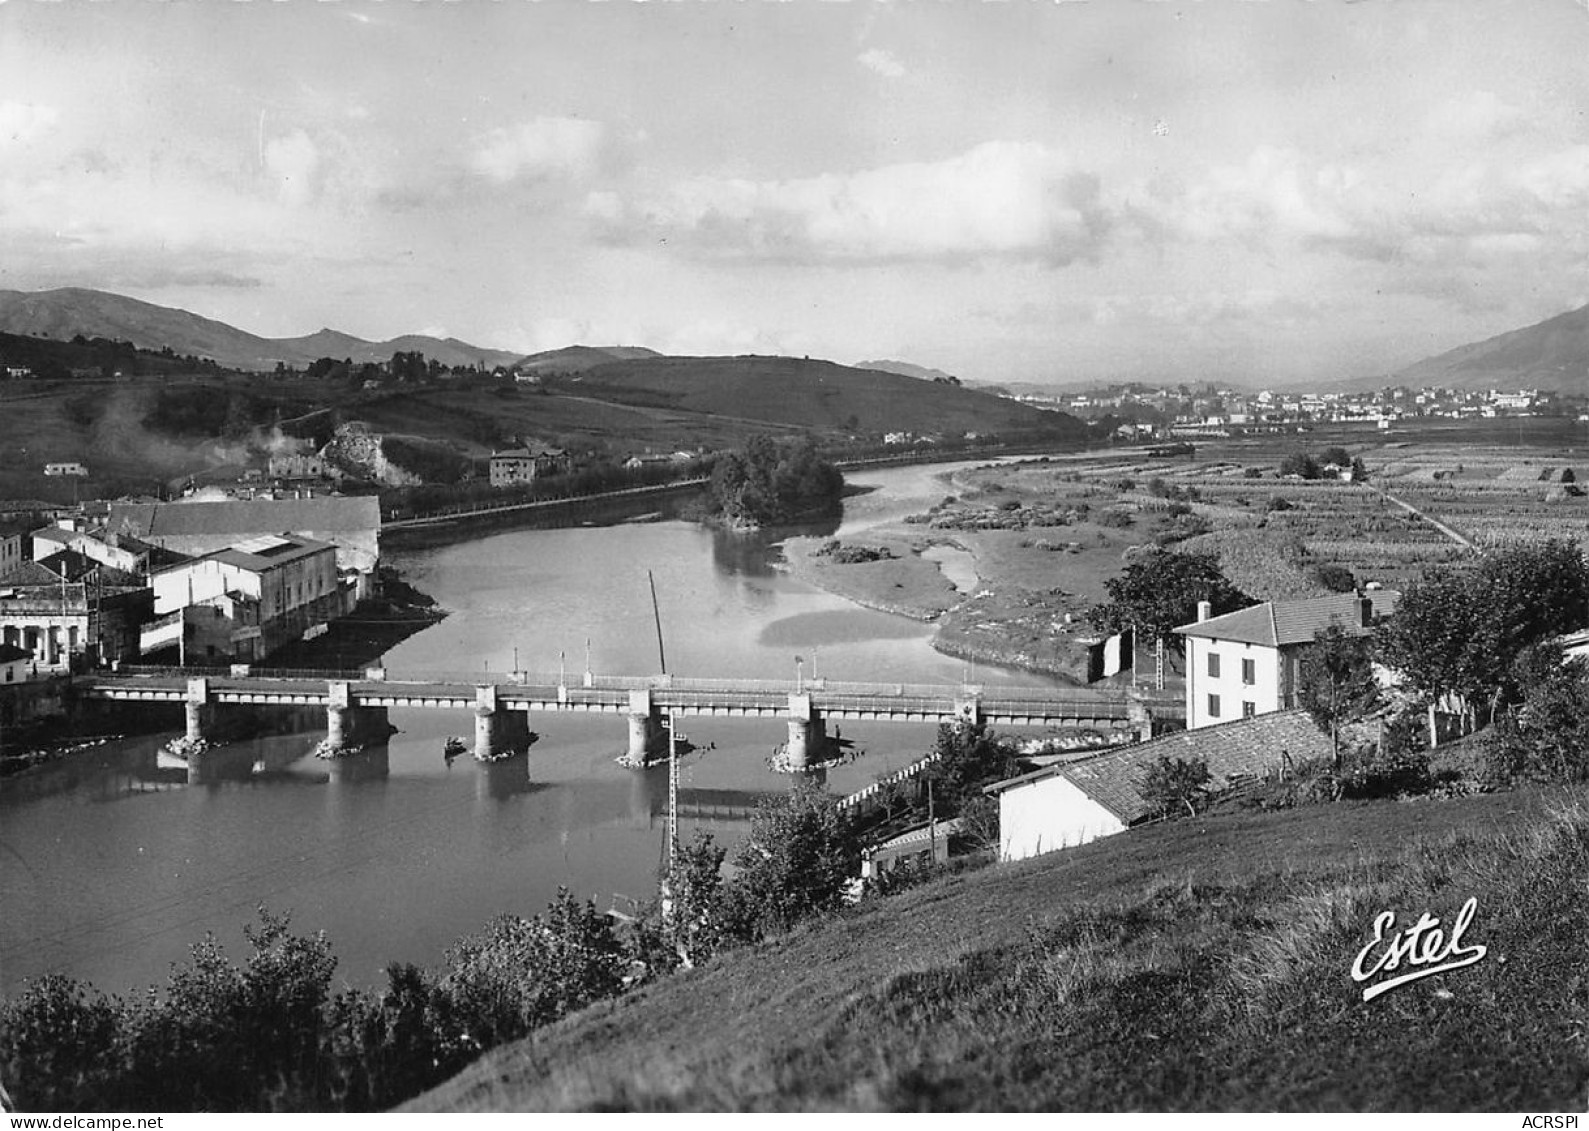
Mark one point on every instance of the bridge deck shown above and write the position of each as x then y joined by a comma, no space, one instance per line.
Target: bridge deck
611,695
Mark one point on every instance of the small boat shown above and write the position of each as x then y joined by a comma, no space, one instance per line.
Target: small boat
454,747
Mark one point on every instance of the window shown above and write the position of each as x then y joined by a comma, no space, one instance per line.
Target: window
1249,672
1248,710
1213,665
1213,706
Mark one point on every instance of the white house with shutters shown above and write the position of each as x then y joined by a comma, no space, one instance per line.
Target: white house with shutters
1249,662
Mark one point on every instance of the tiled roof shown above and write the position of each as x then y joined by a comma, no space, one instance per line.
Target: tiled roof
531,451
245,517
29,575
1246,746
1278,623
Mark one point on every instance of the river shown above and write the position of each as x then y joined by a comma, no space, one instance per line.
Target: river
111,864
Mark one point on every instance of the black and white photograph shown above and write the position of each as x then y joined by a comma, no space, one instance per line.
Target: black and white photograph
793,556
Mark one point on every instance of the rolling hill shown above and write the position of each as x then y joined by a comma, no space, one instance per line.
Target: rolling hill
69,311
1550,355
907,369
576,359
807,393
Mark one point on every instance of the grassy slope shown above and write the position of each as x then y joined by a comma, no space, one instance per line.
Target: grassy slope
813,394
1194,965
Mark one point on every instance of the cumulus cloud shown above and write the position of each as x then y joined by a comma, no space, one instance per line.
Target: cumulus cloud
880,61
22,122
539,148
1009,199
292,161
1281,197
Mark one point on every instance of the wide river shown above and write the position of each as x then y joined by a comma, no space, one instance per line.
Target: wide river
112,865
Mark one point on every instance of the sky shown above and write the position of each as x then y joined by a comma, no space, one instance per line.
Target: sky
1271,193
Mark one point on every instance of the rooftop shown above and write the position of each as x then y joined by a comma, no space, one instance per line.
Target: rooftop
1279,623
1244,747
265,552
245,517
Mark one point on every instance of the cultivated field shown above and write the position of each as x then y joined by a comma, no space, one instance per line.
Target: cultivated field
1044,535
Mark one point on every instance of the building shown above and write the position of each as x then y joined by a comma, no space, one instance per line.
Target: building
1073,802
526,464
118,551
299,467
246,601
14,663
72,468
64,624
13,544
351,524
1249,662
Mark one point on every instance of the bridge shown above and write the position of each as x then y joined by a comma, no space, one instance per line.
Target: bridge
357,703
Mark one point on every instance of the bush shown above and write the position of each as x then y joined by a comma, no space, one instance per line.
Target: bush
1279,503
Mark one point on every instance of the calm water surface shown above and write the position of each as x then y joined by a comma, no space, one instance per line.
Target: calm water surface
111,864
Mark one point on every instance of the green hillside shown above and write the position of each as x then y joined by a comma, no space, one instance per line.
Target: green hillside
1196,965
819,395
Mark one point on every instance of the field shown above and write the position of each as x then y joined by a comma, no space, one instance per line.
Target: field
1044,535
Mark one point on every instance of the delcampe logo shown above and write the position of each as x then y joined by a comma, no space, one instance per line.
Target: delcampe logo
1422,949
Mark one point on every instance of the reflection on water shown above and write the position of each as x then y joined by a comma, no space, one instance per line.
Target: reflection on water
113,861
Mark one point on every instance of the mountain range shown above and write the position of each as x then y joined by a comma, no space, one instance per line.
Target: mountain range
1551,355
69,311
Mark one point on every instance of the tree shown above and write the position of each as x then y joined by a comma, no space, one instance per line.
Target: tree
693,919
966,757
1159,591
1337,682
1461,631
1335,578
796,863
1301,465
1173,782
60,1047
523,973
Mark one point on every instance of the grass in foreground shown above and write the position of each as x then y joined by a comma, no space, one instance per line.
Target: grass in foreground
1197,965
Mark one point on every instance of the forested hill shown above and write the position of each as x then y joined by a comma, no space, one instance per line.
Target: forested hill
819,395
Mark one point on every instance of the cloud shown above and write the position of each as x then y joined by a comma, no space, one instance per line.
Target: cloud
21,122
1280,198
292,160
880,61
1000,199
540,148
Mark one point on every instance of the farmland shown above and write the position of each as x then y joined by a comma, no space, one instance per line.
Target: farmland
1043,535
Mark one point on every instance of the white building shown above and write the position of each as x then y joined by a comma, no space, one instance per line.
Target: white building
244,602
1249,662
1070,803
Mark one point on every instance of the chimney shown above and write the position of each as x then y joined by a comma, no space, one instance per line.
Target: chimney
1365,608
1204,611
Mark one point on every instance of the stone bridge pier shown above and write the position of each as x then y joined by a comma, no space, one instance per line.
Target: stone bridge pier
498,730
199,710
348,726
648,738
808,735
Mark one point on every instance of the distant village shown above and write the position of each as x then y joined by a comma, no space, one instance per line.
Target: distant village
1214,411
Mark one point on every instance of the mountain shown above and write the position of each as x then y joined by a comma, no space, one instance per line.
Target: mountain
906,369
576,359
69,311
1550,355
809,393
